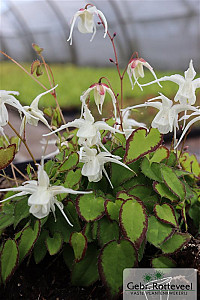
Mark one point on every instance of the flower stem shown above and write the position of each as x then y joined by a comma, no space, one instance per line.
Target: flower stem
24,142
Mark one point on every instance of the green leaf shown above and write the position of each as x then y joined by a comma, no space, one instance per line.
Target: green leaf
70,162
140,143
175,243
68,256
190,163
158,232
8,207
160,154
21,211
164,192
163,262
171,160
9,259
194,213
40,248
140,191
152,171
122,195
112,209
114,257
133,221
90,207
7,155
72,178
78,241
87,231
172,182
54,244
85,272
107,231
166,214
6,220
28,238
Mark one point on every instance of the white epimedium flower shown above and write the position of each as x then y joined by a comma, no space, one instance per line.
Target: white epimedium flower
94,163
194,120
86,23
166,119
187,85
6,97
35,114
135,69
42,198
88,130
128,123
100,90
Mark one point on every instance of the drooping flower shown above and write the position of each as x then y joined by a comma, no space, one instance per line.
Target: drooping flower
166,119
100,90
187,85
88,132
128,123
6,97
135,69
94,163
35,114
194,120
42,198
86,23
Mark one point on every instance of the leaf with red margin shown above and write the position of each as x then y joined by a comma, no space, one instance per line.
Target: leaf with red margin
140,143
133,220
78,241
90,207
28,238
9,259
166,214
7,155
164,192
172,182
163,262
160,154
112,209
175,243
114,257
54,244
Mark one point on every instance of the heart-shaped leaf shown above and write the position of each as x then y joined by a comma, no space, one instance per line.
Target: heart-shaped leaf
112,209
166,214
158,232
160,154
114,257
7,155
152,171
54,244
133,220
28,238
78,241
8,259
140,143
72,178
90,207
175,243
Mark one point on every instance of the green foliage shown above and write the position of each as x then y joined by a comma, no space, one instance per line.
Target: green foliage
115,256
54,244
163,262
78,242
7,155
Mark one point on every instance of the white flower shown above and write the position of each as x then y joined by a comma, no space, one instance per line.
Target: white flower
100,90
94,163
35,114
135,69
187,86
7,98
43,196
194,120
86,23
88,132
167,118
128,123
